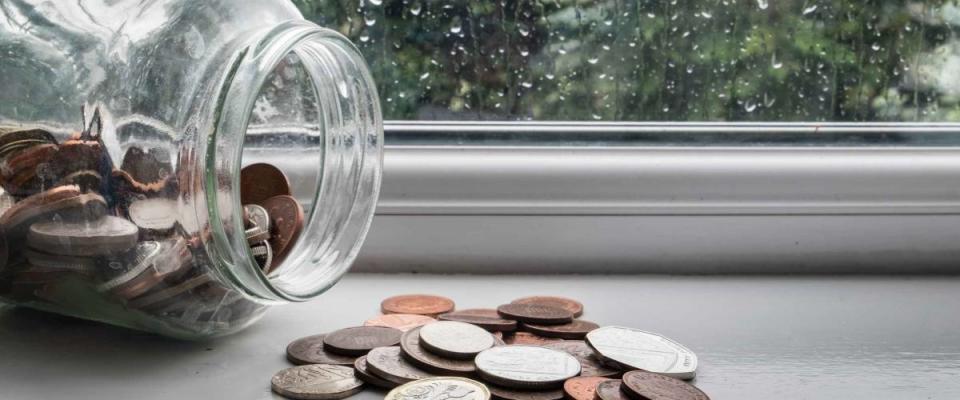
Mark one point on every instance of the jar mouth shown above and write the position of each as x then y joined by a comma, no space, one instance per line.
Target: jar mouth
347,161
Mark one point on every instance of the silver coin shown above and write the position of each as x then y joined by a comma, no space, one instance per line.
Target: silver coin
526,367
440,388
387,363
108,235
316,381
80,265
258,215
262,254
453,339
156,214
628,348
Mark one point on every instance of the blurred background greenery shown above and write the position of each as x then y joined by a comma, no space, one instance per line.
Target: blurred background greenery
653,60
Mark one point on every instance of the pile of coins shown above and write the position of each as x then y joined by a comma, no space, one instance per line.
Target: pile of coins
80,235
534,348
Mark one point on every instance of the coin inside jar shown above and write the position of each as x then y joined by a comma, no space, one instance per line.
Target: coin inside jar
643,385
286,218
526,367
455,339
156,214
259,182
317,381
440,388
108,235
359,340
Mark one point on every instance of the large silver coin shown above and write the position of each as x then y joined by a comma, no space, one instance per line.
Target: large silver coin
156,214
440,388
628,348
455,339
387,363
316,381
108,235
526,367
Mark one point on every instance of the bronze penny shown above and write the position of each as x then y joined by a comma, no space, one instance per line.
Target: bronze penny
9,137
403,322
554,301
26,172
485,318
502,393
316,382
359,340
582,387
387,363
421,304
590,365
65,201
611,390
528,338
643,385
578,329
535,314
413,352
286,221
362,372
309,350
259,182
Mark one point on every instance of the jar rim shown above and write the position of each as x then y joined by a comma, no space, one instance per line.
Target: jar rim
352,135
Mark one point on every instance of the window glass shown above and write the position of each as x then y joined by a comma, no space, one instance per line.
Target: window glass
657,60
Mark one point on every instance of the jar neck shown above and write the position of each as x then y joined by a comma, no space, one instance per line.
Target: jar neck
347,161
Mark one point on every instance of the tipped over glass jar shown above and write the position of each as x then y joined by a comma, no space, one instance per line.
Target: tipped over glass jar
178,166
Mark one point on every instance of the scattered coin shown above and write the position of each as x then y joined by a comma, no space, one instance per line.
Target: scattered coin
486,318
413,352
629,349
309,350
109,235
643,385
571,305
440,388
259,182
583,387
317,381
528,338
387,363
359,340
589,363
286,218
403,322
361,371
502,393
577,329
611,390
535,314
526,367
453,339
420,304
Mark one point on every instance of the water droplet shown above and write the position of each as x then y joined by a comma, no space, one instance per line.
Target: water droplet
775,63
651,15
415,9
364,38
524,30
549,76
596,117
424,76
527,85
456,26
376,2
524,53
706,15
370,20
689,69
608,22
810,9
593,60
749,106
875,47
762,4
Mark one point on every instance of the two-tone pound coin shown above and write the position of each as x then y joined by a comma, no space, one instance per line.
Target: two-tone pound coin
628,349
526,367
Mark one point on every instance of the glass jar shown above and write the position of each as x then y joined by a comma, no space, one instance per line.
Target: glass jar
124,126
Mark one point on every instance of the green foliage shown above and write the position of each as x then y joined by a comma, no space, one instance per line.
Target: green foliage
645,60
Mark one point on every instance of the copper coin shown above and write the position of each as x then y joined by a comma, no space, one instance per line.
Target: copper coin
389,364
286,219
26,172
403,322
578,329
590,364
309,350
413,352
359,340
554,301
316,382
502,393
65,201
259,182
421,304
529,338
485,318
583,387
611,390
643,385
535,314
362,372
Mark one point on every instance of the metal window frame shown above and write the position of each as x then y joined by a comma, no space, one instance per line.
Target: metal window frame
741,206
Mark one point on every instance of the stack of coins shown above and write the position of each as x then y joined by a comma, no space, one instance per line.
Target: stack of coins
76,230
534,348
